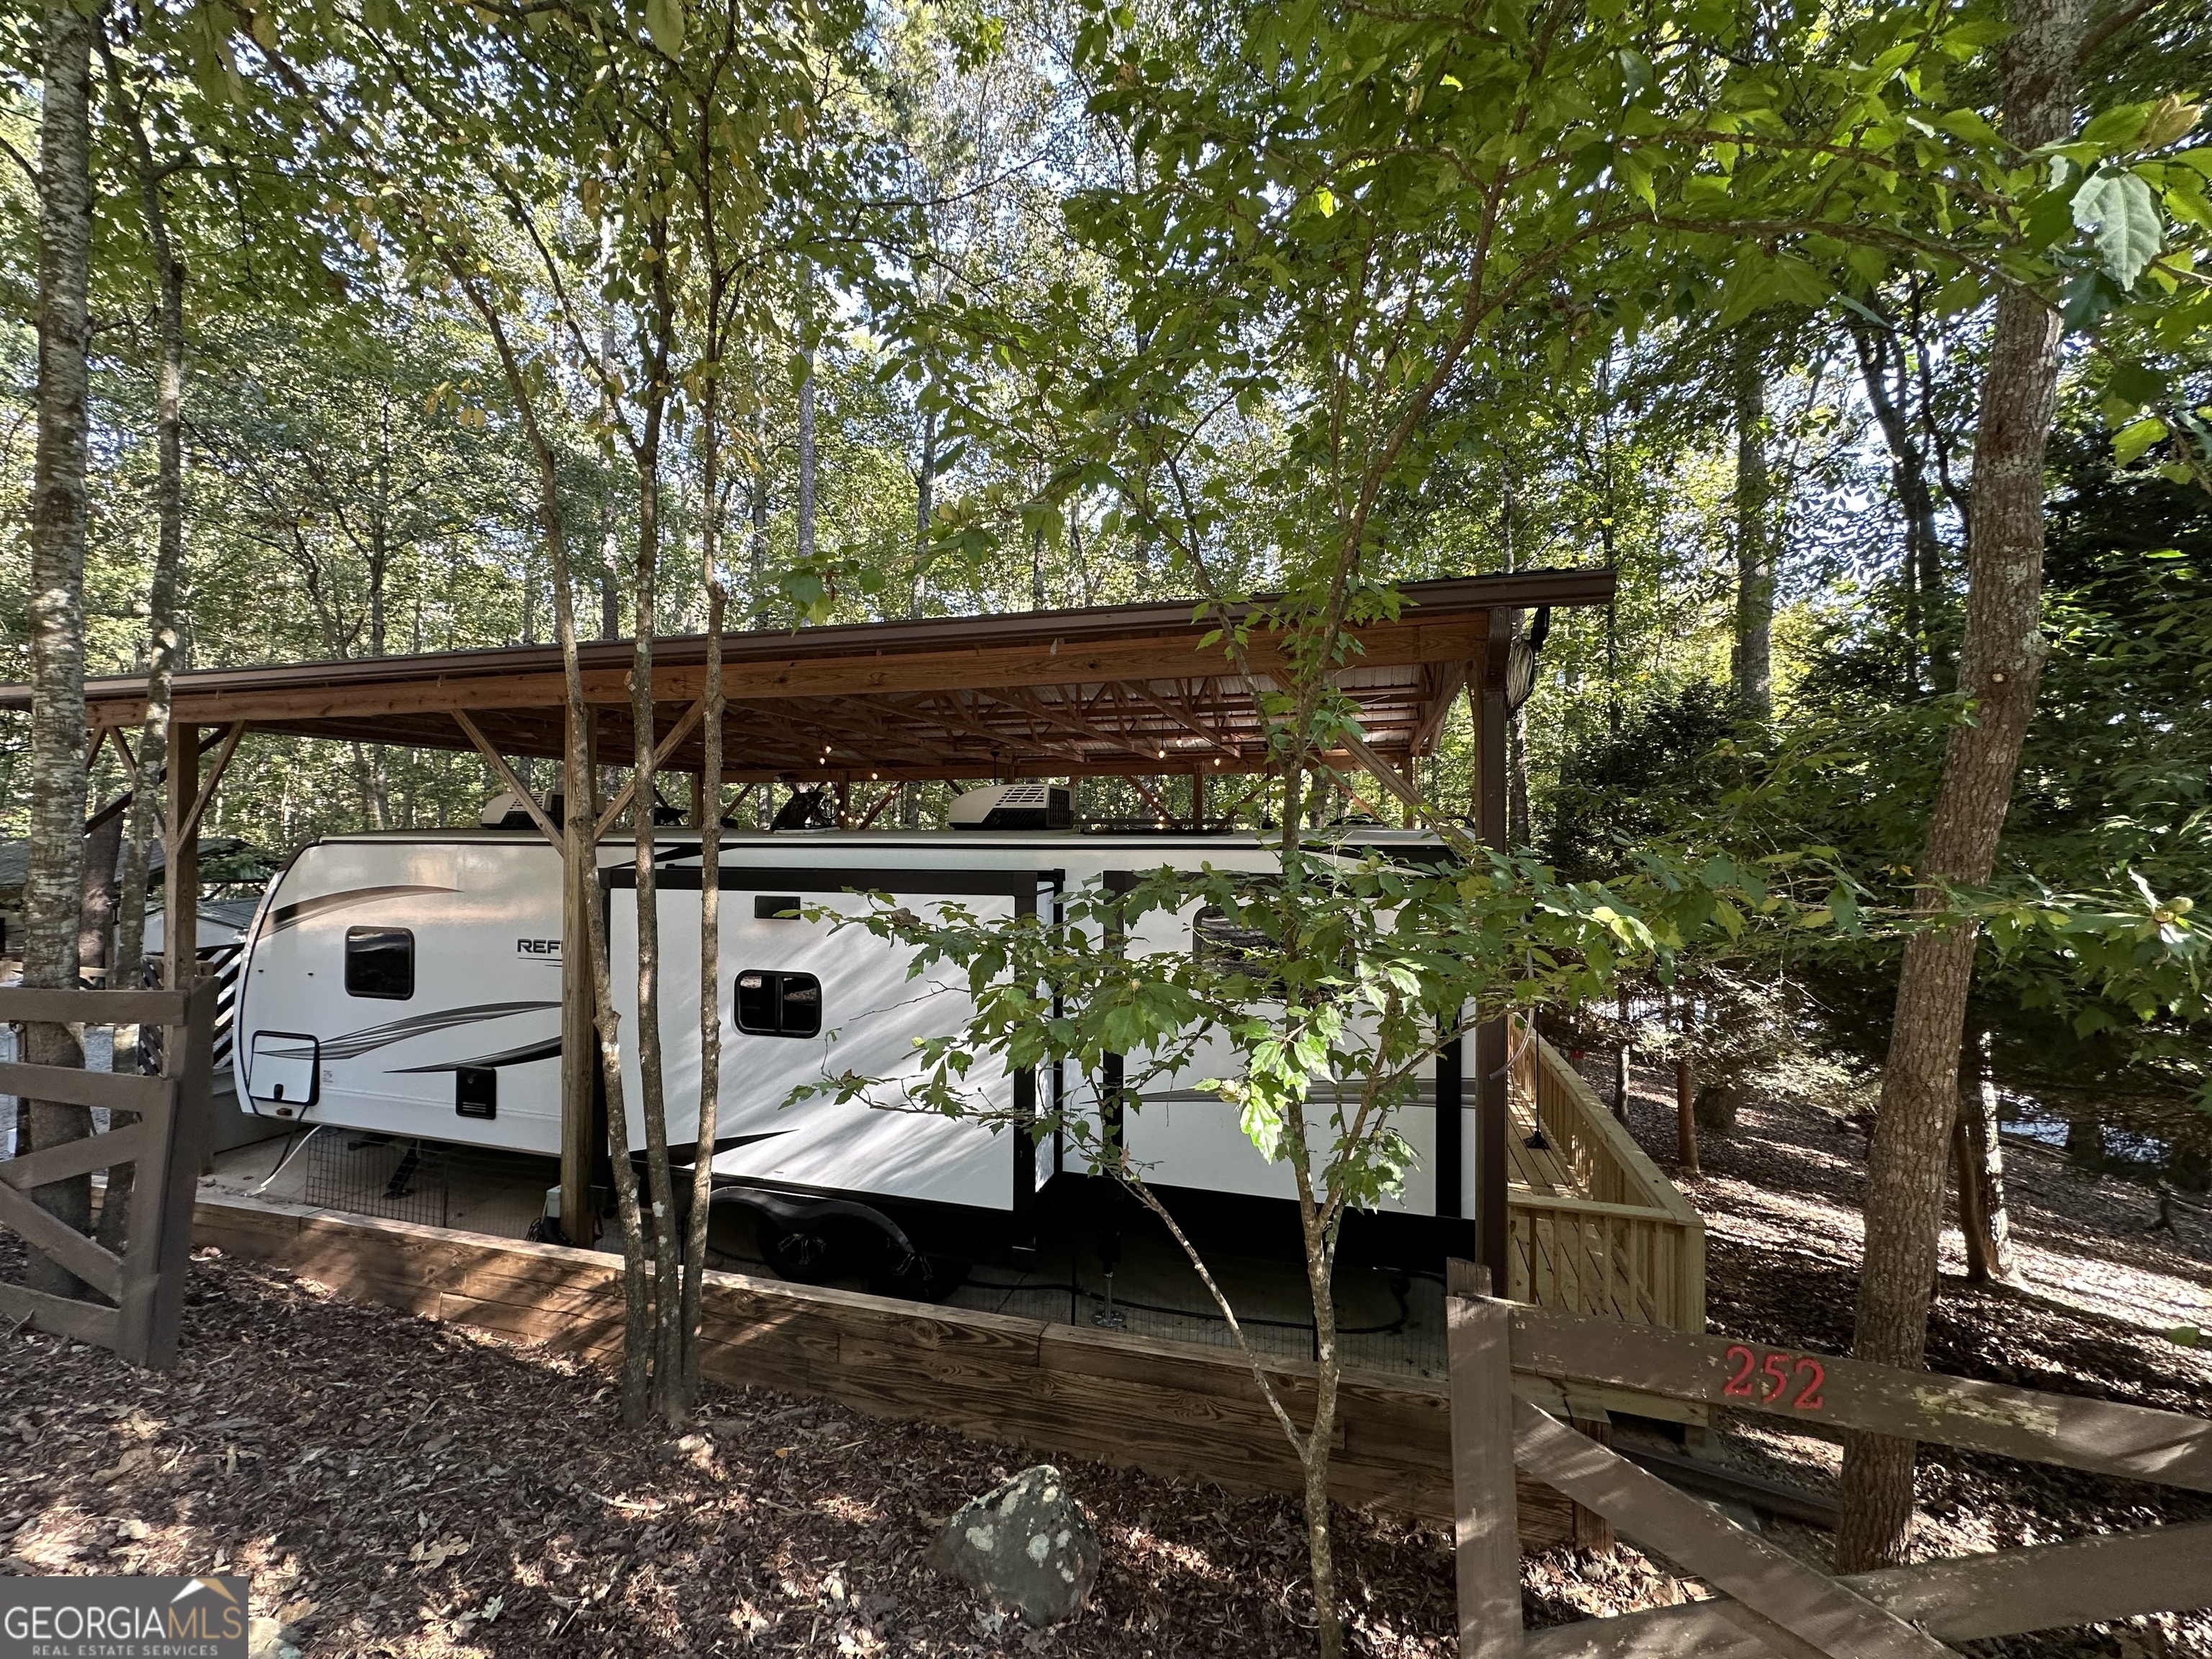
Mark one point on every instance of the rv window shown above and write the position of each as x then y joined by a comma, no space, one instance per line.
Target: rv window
379,962
779,1004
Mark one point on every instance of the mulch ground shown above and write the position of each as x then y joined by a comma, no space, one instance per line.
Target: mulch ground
398,1487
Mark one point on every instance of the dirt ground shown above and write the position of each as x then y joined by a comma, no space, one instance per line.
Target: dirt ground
400,1487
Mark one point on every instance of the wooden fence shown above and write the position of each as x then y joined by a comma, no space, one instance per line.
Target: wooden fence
1627,1246
1771,1602
144,1286
1173,1408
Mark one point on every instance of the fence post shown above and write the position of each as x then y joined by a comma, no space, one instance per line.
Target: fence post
1486,1531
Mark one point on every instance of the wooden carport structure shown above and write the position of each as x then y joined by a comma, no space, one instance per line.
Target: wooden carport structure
1124,691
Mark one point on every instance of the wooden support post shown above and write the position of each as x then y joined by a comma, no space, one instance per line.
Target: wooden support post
1486,1533
180,873
1491,1051
699,819
579,1043
1449,1146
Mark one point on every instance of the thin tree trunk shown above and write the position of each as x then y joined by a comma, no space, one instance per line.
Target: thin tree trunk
710,897
1686,1117
52,887
924,505
2000,662
1978,1149
668,1357
1624,1057
1922,570
806,460
581,836
143,819
1753,660
1318,1238
96,897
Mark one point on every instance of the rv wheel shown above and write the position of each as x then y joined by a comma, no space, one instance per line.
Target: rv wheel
803,1256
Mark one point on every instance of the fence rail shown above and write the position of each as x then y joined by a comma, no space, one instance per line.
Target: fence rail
1770,1601
141,1287
1630,1248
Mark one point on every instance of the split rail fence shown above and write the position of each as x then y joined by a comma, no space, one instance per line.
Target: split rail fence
164,1141
1771,1602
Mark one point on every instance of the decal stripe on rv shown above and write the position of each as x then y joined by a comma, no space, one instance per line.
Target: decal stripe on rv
354,1044
291,915
549,1049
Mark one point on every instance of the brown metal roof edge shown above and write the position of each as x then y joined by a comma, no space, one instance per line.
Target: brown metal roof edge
1426,602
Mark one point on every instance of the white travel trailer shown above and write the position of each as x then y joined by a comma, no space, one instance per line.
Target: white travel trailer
409,984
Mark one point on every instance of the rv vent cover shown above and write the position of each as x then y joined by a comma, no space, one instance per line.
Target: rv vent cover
1027,806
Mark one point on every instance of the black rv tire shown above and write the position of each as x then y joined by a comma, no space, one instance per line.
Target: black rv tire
800,1254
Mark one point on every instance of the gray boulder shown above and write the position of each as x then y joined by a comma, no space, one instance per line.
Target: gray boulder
1024,1546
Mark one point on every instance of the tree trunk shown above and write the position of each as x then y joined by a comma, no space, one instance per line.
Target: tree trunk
96,897
924,505
667,1345
163,643
52,887
1686,1117
1319,1240
2000,661
806,461
1979,1153
1753,660
580,850
1878,354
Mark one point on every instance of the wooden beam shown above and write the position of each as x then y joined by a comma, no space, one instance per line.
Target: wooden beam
1487,1540
866,672
1160,812
661,752
2103,1436
1814,1608
190,829
180,868
888,795
515,787
1491,1049
1181,717
1029,703
1385,773
1440,708
1971,1598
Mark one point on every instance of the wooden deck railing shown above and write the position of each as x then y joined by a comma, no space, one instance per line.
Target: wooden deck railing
1627,1246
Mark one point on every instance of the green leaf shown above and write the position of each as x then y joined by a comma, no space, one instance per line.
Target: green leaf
664,21
2089,297
1636,174
2132,441
2135,384
2120,213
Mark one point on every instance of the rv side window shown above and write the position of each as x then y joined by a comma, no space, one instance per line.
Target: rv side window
779,1004
379,962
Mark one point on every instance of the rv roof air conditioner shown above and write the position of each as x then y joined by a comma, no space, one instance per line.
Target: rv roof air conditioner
504,812
1030,805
